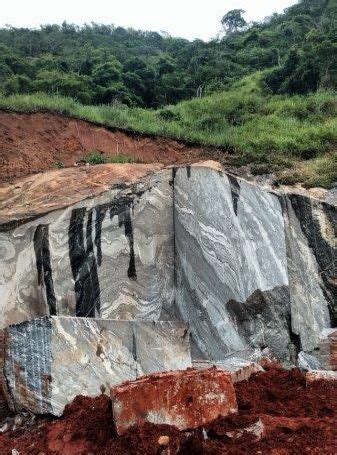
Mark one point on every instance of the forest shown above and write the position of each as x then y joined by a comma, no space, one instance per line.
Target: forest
106,64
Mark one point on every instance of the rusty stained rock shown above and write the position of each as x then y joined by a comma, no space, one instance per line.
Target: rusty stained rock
184,399
327,352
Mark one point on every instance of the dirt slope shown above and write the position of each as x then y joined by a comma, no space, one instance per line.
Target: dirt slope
31,143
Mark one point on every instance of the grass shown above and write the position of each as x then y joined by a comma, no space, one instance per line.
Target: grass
98,158
272,132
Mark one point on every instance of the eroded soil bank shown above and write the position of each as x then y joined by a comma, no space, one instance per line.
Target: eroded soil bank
32,143
295,418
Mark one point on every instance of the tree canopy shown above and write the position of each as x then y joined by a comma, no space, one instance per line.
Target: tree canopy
103,64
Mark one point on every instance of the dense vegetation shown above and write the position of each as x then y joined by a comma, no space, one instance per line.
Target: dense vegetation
100,64
261,94
293,136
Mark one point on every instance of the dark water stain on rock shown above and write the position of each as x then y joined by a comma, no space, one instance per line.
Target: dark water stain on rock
83,264
124,218
43,265
235,192
325,253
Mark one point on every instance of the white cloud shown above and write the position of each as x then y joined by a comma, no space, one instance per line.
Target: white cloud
185,18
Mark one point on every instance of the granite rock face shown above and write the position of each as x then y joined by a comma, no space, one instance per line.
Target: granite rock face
311,257
246,266
109,257
48,361
232,282
254,266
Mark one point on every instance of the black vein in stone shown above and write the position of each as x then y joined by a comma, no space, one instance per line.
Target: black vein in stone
43,264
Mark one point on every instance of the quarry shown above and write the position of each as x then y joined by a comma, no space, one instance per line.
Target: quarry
169,305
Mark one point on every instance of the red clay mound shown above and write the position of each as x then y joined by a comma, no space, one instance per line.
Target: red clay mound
289,416
31,143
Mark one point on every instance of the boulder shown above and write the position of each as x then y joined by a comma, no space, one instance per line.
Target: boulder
184,399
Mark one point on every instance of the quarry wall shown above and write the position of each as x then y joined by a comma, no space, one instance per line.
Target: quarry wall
247,267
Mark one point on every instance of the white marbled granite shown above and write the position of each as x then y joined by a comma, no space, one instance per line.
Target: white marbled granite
49,361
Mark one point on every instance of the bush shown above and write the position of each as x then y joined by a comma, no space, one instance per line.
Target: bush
95,158
99,158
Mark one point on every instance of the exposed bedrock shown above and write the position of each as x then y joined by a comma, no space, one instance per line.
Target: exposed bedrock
110,256
249,266
246,266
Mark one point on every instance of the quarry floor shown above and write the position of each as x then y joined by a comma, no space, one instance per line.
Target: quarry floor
296,418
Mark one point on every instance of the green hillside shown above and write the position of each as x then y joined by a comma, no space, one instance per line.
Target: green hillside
102,64
294,136
261,94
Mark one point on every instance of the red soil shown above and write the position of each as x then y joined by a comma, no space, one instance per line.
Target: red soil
31,143
297,419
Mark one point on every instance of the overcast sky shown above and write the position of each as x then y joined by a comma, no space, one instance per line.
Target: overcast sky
186,18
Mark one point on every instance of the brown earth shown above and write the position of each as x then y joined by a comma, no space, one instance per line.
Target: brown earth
296,418
31,143
41,193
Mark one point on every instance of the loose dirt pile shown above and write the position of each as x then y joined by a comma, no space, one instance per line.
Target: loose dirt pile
31,143
290,416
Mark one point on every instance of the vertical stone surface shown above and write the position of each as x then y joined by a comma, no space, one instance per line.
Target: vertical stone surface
231,264
308,299
48,361
27,365
110,257
246,266
161,337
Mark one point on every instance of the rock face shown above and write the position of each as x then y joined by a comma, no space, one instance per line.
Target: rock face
311,254
49,361
186,400
246,276
110,256
246,266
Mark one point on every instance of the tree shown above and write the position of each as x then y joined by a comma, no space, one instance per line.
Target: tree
59,83
233,21
16,84
106,73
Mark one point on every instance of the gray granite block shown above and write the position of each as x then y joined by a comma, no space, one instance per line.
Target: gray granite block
48,361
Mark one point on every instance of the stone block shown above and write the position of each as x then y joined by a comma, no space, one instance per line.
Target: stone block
231,264
185,399
239,369
48,361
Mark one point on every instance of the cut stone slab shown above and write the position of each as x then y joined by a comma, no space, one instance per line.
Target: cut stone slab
184,399
239,369
48,361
